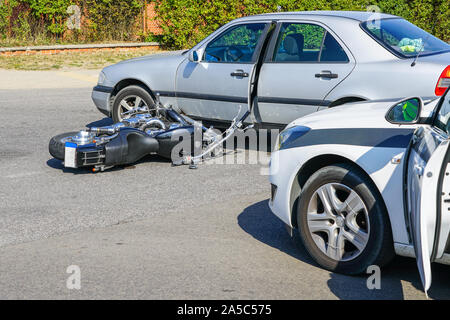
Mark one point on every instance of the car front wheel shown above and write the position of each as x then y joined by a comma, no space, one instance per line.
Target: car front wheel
128,100
343,222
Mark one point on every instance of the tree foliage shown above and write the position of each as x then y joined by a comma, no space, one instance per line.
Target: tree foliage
52,11
112,20
104,19
186,22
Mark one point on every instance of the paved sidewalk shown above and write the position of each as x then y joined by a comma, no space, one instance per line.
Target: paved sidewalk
17,80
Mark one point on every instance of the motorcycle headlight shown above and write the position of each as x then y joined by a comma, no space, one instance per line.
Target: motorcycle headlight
287,137
101,78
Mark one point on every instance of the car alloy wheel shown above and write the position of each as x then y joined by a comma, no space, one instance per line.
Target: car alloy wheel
128,104
128,100
338,221
342,220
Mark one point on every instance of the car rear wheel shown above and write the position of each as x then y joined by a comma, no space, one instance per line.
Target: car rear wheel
128,99
343,222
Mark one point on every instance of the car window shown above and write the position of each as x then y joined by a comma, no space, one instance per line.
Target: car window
237,44
332,50
299,42
303,42
404,37
443,116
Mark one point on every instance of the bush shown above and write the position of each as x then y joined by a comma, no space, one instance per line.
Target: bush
112,20
31,21
186,22
53,12
5,13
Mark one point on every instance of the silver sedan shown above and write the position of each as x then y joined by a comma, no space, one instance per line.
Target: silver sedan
311,60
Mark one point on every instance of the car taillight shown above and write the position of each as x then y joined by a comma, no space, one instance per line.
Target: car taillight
443,82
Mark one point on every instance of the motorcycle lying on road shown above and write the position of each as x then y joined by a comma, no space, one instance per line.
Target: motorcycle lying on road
161,130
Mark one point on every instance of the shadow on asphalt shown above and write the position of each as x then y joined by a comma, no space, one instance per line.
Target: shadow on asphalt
100,123
57,164
258,221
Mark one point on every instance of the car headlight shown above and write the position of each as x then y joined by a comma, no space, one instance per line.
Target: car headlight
287,137
101,78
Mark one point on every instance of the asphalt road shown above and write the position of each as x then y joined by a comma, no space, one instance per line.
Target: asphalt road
149,231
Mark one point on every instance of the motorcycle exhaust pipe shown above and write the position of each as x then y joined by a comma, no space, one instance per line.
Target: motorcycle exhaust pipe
153,123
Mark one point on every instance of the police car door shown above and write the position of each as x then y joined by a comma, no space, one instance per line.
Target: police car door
428,189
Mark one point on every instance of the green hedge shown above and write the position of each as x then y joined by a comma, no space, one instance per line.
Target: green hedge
186,22
29,21
112,19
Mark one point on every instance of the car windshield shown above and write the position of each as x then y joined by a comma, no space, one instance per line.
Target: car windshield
404,38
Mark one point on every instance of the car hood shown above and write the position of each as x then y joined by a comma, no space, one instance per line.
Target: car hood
356,115
158,56
147,69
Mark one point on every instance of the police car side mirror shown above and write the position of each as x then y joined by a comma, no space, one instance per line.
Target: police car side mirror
406,111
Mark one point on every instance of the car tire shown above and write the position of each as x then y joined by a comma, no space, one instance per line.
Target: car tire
361,237
56,146
128,97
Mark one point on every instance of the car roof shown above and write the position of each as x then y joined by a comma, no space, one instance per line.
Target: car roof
352,15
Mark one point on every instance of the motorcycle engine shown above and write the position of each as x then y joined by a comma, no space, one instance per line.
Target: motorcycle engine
83,138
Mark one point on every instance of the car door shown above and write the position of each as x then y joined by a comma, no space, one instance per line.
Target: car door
305,62
428,190
217,85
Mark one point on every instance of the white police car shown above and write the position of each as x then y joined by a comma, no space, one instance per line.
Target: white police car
365,181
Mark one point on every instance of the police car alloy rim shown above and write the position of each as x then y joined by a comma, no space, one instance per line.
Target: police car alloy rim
338,221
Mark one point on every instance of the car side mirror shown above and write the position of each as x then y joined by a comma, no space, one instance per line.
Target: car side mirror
406,111
194,56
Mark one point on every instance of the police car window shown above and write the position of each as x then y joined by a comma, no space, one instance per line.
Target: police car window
237,44
442,119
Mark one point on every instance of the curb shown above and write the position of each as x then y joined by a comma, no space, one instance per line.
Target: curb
77,47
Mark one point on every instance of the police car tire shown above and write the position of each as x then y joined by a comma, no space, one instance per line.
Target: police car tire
379,249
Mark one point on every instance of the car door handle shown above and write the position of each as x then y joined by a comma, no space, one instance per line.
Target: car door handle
418,170
326,74
239,73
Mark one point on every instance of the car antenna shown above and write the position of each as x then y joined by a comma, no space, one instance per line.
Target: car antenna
423,45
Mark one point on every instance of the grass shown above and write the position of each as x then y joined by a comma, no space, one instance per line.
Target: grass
71,60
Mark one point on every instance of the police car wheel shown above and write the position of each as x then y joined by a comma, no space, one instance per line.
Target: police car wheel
343,222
